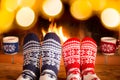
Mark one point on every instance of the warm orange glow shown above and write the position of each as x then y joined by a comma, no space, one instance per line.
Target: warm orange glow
64,38
52,28
81,9
98,4
51,8
28,3
25,17
110,17
6,20
113,4
58,31
10,5
43,32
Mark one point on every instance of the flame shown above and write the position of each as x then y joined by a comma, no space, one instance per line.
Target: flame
58,31
64,38
43,32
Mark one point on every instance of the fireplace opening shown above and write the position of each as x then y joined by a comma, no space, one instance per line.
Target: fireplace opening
67,27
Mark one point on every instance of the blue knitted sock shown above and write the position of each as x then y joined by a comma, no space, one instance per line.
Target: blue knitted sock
51,56
31,53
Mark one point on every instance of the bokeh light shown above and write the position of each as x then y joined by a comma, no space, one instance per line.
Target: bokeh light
27,3
98,5
25,17
110,17
113,4
52,8
81,9
10,5
6,20
26,12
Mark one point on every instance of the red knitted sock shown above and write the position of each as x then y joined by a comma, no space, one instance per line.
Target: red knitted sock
71,57
88,56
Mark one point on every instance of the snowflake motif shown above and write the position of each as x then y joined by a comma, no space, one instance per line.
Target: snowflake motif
107,48
32,53
51,53
9,48
51,58
88,55
71,56
32,58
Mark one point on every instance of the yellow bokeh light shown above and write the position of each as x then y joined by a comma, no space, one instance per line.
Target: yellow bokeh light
25,17
113,4
81,9
6,20
52,8
27,3
98,4
110,17
10,5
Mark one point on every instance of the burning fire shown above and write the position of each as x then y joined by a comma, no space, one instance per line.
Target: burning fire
58,31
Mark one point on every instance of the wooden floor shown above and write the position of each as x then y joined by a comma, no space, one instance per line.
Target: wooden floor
105,72
107,67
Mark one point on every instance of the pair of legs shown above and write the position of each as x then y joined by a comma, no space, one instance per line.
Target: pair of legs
79,58
49,51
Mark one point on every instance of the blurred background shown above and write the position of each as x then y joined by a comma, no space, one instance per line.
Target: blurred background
68,18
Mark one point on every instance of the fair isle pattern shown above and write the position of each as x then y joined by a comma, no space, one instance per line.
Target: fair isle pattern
51,53
88,56
31,52
71,52
88,52
10,48
108,47
71,57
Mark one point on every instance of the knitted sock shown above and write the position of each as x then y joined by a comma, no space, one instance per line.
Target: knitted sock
51,56
71,57
88,56
31,52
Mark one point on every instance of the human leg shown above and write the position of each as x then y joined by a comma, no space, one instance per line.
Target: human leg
31,54
71,57
88,57
51,56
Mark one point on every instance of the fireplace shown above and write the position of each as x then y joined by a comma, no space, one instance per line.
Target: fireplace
67,26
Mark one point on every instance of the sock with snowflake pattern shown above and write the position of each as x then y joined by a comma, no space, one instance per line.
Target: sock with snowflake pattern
31,53
88,57
51,56
71,57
